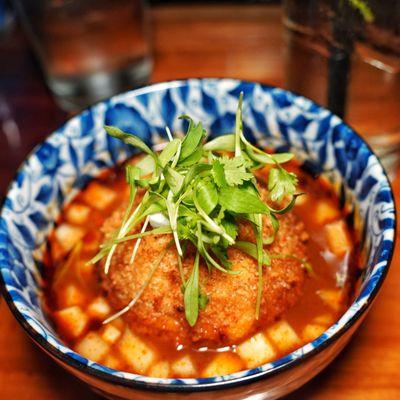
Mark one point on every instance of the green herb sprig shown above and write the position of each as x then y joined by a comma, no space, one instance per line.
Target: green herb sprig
202,193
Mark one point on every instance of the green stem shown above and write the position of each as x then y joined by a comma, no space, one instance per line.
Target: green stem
239,127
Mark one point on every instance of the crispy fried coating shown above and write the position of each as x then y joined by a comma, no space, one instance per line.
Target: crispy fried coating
229,315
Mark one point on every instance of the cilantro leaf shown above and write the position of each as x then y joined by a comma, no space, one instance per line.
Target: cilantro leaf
241,201
281,183
218,173
235,170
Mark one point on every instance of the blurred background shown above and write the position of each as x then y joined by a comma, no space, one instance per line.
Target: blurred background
59,56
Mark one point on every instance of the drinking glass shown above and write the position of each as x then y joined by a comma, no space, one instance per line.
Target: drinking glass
345,54
88,49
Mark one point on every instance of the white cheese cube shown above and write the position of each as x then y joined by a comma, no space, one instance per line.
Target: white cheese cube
77,214
71,321
113,362
93,347
256,351
68,236
111,334
338,238
99,196
223,364
135,352
99,308
184,367
284,336
332,298
160,370
71,295
311,332
325,211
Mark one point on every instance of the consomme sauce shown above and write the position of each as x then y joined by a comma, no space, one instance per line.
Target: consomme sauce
78,304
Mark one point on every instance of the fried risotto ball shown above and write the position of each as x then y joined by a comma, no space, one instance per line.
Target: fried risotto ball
229,315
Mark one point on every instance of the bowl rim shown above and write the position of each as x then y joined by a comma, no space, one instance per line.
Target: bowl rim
200,384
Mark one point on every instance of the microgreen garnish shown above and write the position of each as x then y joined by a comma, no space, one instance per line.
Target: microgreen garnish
281,183
191,295
235,171
198,193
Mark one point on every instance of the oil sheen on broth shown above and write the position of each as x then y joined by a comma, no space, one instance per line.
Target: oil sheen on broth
77,301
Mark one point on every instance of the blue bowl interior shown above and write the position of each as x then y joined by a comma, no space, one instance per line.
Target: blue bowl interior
80,149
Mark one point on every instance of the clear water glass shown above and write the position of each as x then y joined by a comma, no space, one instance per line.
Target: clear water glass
89,49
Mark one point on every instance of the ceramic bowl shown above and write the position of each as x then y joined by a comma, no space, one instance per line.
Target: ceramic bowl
80,150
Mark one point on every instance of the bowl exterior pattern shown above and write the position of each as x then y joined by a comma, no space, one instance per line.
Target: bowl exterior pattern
80,150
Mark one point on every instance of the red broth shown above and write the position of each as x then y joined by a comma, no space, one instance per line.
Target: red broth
77,303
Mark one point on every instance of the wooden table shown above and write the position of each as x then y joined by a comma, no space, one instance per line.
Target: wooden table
229,41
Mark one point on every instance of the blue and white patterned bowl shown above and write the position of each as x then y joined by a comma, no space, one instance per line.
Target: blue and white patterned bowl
80,149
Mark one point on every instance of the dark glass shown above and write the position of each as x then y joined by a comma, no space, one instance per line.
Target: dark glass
347,57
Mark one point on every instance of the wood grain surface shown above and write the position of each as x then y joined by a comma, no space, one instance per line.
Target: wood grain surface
228,41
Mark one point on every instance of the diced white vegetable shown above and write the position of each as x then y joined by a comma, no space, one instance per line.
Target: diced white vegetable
99,196
325,211
77,214
184,367
283,336
111,334
99,308
311,332
93,347
72,321
332,298
71,295
160,370
112,362
338,238
68,236
324,319
256,351
135,352
223,364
